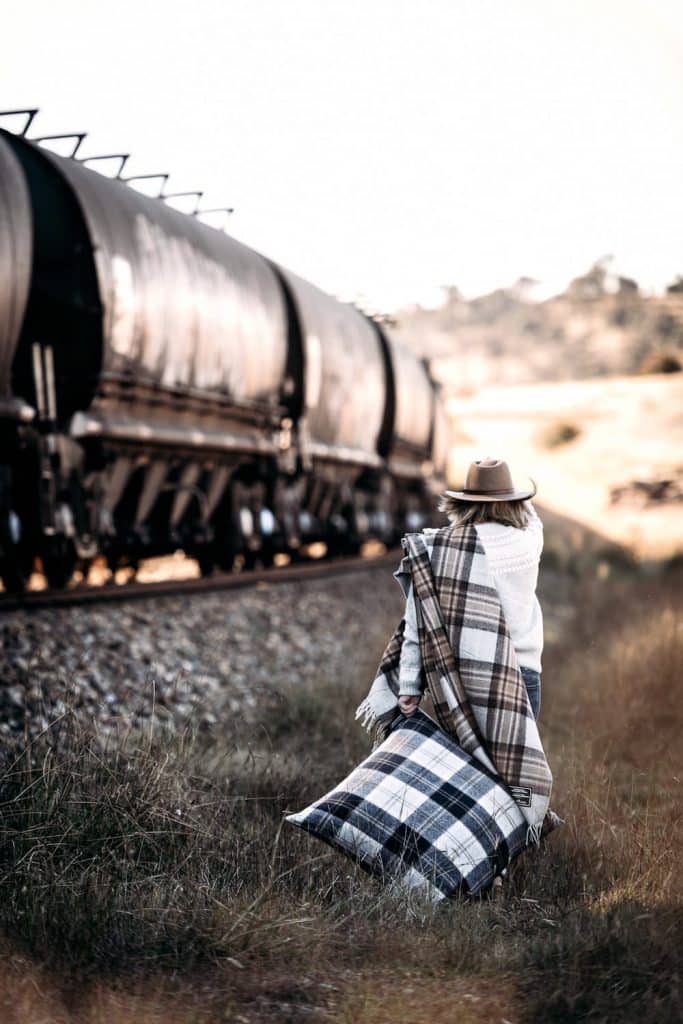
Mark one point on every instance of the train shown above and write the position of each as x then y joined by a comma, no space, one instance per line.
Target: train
164,386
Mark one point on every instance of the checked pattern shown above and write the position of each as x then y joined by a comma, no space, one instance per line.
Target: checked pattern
472,671
470,665
421,812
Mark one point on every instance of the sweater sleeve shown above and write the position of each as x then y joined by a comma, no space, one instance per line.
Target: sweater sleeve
410,665
535,526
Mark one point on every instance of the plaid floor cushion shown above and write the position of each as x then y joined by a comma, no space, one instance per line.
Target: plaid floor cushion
421,813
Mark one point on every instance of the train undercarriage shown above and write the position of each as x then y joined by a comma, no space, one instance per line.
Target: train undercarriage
64,503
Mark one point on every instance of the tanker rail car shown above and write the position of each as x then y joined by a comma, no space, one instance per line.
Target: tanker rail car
164,386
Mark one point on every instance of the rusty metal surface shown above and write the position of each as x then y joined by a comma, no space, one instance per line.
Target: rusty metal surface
185,305
414,396
16,253
442,439
173,435
345,386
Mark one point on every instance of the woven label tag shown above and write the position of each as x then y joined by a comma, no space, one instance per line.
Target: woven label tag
521,795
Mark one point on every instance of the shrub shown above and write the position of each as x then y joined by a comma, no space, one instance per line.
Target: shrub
559,433
663,361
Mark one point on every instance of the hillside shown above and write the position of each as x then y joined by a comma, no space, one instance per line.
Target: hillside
598,327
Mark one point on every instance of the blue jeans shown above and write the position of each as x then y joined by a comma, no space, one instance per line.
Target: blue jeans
532,680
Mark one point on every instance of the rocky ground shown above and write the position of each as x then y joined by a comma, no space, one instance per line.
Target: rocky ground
199,659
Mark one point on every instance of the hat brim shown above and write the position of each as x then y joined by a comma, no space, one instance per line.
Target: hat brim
479,496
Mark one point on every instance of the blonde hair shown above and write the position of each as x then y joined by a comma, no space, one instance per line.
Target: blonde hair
509,513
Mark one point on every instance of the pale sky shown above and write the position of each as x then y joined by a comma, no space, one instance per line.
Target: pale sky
382,148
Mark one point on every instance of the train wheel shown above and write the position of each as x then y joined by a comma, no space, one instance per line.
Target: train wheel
266,556
206,562
59,561
250,557
345,547
83,565
13,572
226,561
12,575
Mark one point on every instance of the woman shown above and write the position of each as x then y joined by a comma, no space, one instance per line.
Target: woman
427,806
512,536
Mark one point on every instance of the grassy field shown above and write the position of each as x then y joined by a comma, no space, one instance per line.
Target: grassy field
580,439
151,881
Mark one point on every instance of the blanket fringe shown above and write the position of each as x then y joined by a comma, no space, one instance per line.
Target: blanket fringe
533,834
366,710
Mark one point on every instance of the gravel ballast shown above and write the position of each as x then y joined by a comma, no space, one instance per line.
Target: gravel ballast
197,658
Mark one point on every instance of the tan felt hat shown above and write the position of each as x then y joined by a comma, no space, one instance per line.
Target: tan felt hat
490,480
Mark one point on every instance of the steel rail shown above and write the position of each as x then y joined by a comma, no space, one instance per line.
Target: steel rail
110,592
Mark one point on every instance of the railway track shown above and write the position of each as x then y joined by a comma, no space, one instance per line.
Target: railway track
111,592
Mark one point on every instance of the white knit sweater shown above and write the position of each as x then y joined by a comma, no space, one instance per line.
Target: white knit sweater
513,556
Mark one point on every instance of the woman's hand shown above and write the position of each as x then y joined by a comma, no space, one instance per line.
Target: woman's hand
408,704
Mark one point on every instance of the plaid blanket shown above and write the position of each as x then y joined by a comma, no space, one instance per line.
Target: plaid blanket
470,666
421,814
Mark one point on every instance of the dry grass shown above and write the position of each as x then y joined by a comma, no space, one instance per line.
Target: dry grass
150,881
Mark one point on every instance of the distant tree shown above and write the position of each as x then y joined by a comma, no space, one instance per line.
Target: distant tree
451,294
558,433
676,287
523,285
627,286
621,316
666,325
661,362
591,285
